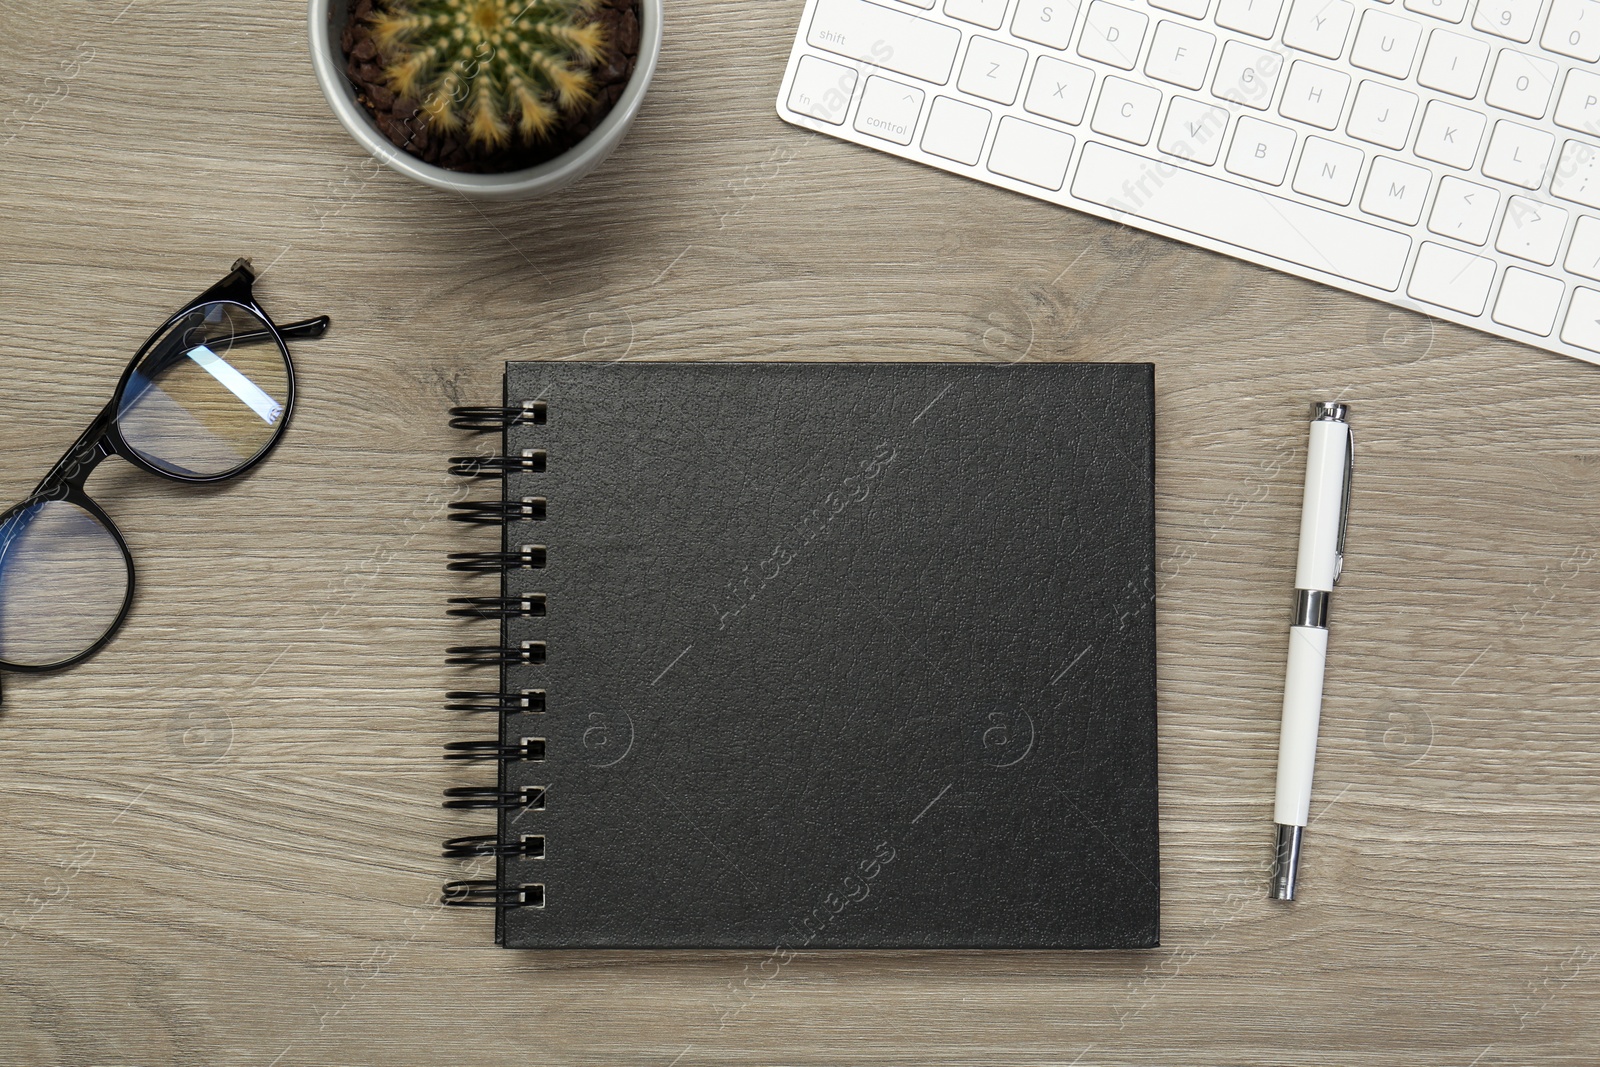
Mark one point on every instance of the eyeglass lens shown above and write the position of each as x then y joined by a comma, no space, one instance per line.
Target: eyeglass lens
209,395
63,579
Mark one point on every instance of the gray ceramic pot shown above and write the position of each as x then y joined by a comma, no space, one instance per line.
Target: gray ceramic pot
327,24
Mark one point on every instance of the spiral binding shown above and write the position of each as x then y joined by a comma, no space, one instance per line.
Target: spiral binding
488,796
529,460
459,848
498,607
529,748
495,655
509,747
497,512
528,556
475,893
495,420
531,700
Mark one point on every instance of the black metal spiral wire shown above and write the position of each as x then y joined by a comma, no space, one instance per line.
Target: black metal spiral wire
530,557
459,848
496,419
531,460
478,797
497,512
477,700
529,748
497,607
495,655
476,893
479,893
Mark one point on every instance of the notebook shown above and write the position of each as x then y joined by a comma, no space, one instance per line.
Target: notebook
815,655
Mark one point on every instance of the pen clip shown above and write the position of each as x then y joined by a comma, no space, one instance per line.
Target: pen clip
1344,506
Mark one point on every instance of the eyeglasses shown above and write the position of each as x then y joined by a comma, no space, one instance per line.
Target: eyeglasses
204,399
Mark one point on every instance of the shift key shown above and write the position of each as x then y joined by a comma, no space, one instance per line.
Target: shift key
885,38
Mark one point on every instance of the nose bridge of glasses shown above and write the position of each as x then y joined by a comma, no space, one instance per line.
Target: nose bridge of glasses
72,470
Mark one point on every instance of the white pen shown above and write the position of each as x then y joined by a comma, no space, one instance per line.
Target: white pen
1324,516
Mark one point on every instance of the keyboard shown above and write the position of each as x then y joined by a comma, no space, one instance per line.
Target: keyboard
1438,155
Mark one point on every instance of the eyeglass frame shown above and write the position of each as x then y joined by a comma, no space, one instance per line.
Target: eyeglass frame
66,479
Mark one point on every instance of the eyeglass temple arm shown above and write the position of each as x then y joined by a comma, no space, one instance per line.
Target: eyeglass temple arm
303,329
306,328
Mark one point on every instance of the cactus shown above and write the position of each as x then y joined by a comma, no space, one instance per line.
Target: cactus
491,66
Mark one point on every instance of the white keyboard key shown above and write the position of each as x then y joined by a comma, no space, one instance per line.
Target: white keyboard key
992,70
1246,75
1328,170
1258,18
1579,106
1179,54
1385,43
1193,131
1112,35
1382,114
1059,90
1577,175
1195,9
1531,230
926,5
1126,110
1260,150
1522,83
1582,327
889,110
1314,94
1583,254
1245,218
1319,26
1451,279
1453,64
1449,10
1030,153
1528,301
985,13
821,89
1395,191
1450,135
1511,19
1463,210
955,130
1046,22
893,40
1573,29
1518,154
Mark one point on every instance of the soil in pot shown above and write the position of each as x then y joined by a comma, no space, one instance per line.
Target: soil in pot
401,119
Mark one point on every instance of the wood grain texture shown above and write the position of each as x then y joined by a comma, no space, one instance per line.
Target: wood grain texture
218,839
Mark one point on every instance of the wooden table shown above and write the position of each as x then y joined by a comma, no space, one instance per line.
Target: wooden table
219,838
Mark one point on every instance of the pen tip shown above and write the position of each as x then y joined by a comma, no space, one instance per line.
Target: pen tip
1286,862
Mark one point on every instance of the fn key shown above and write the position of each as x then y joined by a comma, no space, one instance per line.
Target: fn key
821,89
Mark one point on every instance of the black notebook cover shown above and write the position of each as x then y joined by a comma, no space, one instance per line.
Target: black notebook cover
835,655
